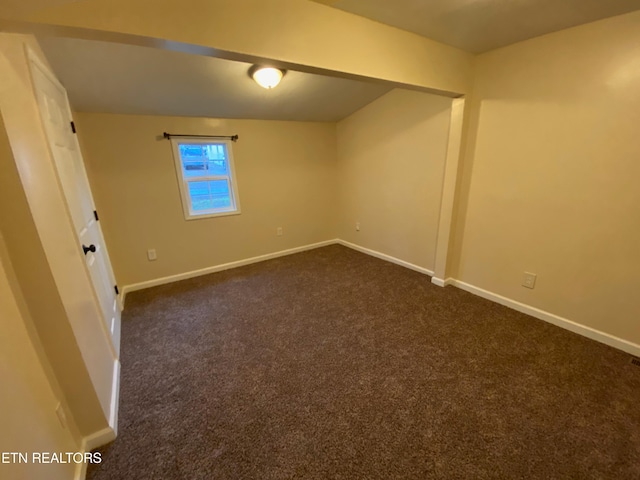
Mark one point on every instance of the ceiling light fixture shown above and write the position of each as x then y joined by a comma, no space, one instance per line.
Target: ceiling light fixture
266,77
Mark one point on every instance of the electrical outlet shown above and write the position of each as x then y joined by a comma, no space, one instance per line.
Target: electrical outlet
357,226
152,255
279,231
529,280
61,415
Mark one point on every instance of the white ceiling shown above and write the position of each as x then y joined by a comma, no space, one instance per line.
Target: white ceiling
482,25
115,78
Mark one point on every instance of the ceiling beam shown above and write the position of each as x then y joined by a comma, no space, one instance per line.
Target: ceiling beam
291,34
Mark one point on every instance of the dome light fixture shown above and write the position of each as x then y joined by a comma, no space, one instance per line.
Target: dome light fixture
266,77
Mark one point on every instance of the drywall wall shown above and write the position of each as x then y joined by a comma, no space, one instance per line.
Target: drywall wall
551,173
41,307
285,174
292,32
44,249
391,157
28,422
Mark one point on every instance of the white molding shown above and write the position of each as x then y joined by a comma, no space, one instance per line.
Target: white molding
120,299
384,256
98,439
183,182
219,268
556,320
440,282
108,434
561,322
95,440
115,397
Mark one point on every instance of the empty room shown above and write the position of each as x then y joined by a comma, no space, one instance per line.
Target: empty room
319,239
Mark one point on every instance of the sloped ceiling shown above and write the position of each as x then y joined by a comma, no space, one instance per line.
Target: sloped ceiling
115,78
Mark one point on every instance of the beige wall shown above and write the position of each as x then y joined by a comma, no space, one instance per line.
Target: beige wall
42,305
28,422
389,177
44,250
285,173
548,186
295,32
551,176
390,171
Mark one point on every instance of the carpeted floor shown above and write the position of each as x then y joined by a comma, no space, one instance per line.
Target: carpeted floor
331,364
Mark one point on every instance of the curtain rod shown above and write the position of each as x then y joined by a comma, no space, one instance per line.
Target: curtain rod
233,138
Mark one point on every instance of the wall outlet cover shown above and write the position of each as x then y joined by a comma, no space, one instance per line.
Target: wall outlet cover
529,280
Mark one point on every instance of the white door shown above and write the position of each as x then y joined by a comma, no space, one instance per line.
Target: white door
56,119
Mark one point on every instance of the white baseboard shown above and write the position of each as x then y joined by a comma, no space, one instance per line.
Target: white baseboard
567,324
440,282
120,299
247,261
384,256
561,322
219,268
115,398
108,434
98,439
95,440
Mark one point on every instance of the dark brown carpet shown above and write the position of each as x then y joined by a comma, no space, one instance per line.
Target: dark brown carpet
331,364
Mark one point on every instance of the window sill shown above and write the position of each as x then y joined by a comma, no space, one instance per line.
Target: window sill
213,214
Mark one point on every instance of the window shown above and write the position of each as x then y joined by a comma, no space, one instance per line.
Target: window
207,177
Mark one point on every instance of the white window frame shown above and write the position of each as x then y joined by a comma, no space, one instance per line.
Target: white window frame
183,182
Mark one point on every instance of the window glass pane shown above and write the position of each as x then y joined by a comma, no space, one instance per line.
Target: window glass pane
203,159
193,161
209,195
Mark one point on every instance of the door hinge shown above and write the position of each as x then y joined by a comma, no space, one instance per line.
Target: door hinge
95,214
115,287
73,127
